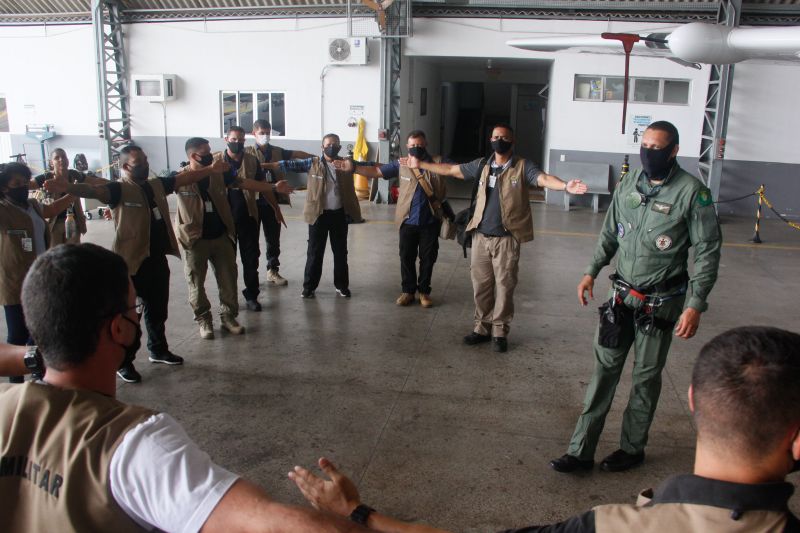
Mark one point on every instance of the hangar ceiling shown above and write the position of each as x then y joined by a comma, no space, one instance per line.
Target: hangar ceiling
78,11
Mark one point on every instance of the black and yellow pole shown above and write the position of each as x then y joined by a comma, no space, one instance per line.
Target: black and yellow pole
756,237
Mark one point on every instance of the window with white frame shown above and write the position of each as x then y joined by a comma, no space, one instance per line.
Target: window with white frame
242,108
597,88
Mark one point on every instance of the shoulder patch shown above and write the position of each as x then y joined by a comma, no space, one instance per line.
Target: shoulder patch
704,197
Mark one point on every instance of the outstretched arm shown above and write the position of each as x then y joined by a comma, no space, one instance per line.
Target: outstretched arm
247,508
340,496
188,176
555,183
82,190
443,169
54,209
11,360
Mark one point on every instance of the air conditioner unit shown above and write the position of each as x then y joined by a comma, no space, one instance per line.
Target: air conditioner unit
154,87
348,51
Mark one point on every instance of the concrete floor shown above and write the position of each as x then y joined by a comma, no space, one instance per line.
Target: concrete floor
432,430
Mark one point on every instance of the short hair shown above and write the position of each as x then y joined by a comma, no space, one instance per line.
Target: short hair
331,136
236,128
416,134
9,170
70,293
745,388
504,126
262,124
126,152
194,144
668,128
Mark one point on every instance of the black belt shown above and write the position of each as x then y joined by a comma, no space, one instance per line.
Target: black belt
664,286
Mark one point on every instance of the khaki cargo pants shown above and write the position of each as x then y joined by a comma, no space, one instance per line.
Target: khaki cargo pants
221,253
494,266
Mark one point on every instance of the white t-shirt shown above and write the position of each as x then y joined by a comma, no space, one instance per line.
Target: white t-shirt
332,198
162,479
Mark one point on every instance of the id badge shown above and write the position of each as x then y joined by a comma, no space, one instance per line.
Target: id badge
492,181
209,206
319,177
27,244
156,213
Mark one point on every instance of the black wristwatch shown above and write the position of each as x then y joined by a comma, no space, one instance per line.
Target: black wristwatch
33,360
360,514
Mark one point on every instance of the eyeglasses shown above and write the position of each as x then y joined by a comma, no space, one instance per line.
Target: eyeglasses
501,137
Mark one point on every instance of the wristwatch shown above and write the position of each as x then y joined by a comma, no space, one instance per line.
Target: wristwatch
360,514
33,360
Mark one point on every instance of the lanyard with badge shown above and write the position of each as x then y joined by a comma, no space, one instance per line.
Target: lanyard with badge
329,171
27,242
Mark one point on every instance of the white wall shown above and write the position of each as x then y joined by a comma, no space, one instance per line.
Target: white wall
764,113
416,74
52,70
597,126
274,55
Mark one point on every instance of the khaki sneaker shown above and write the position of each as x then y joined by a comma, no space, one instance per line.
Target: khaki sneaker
405,299
206,329
425,300
274,277
232,326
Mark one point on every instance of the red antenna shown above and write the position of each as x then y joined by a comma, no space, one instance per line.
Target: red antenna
628,39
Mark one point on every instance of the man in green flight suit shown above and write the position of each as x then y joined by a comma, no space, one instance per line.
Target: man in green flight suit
656,214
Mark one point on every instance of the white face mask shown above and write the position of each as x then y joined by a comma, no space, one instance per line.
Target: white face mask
262,139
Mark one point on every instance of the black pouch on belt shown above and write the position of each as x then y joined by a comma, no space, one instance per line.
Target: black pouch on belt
614,319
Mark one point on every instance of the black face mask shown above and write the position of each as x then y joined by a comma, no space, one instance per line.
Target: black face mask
130,351
418,151
139,173
206,160
235,147
332,150
657,162
501,146
18,195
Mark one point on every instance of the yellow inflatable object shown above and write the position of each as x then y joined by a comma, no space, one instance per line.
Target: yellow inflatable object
360,150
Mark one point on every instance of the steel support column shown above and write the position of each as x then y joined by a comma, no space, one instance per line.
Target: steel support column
391,57
112,81
718,100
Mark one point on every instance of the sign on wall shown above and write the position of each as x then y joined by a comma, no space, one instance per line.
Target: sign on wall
636,126
355,112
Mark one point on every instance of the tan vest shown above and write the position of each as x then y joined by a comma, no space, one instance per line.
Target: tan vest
408,187
515,206
15,225
56,447
277,154
247,171
132,222
58,231
191,210
315,196
278,174
670,517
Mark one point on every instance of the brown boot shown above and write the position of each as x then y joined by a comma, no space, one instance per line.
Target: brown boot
404,299
425,300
